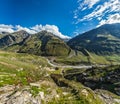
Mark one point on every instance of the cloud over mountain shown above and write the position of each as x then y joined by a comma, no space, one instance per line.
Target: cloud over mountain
50,28
32,30
6,28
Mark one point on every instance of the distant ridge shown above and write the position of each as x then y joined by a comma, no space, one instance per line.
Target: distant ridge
102,40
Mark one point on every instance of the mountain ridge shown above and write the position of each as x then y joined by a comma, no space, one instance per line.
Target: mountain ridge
42,43
45,43
102,40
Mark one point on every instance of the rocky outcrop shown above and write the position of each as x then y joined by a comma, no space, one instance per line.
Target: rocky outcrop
35,93
99,78
10,95
107,97
81,93
97,96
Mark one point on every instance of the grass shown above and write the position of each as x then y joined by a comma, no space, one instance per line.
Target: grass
24,69
82,59
82,94
113,59
34,90
21,68
94,76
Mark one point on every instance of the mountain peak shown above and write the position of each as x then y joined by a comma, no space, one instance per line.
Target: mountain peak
21,32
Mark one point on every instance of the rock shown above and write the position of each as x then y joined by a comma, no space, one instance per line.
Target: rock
108,97
42,95
7,88
65,93
9,95
117,100
84,92
117,91
35,84
107,78
23,97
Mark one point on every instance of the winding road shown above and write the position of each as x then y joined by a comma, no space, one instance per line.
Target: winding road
71,66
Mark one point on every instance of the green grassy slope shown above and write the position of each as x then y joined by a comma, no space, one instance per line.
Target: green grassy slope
81,58
20,68
45,43
102,40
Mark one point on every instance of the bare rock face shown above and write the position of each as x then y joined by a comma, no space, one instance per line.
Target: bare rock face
8,95
5,92
107,97
11,94
24,97
99,78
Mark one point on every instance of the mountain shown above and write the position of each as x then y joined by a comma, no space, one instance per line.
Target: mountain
13,38
42,43
102,40
45,43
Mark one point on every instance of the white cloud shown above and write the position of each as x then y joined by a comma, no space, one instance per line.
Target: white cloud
114,18
32,30
18,28
108,7
6,28
50,28
83,5
89,3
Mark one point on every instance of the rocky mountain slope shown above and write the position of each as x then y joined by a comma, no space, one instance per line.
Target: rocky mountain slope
7,40
27,78
45,43
102,40
42,43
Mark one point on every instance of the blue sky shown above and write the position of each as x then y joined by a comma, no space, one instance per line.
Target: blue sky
68,17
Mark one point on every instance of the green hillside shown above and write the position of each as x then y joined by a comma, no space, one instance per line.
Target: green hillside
22,74
102,40
45,43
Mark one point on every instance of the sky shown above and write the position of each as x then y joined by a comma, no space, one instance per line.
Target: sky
64,18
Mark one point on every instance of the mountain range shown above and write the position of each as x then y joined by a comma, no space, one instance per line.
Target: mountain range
102,40
42,43
74,74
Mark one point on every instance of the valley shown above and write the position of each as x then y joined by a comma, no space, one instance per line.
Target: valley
29,77
44,69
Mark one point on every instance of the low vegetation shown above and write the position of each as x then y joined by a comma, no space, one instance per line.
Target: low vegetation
21,68
80,58
106,78
35,75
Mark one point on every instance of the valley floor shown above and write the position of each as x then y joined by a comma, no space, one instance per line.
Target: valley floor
29,79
